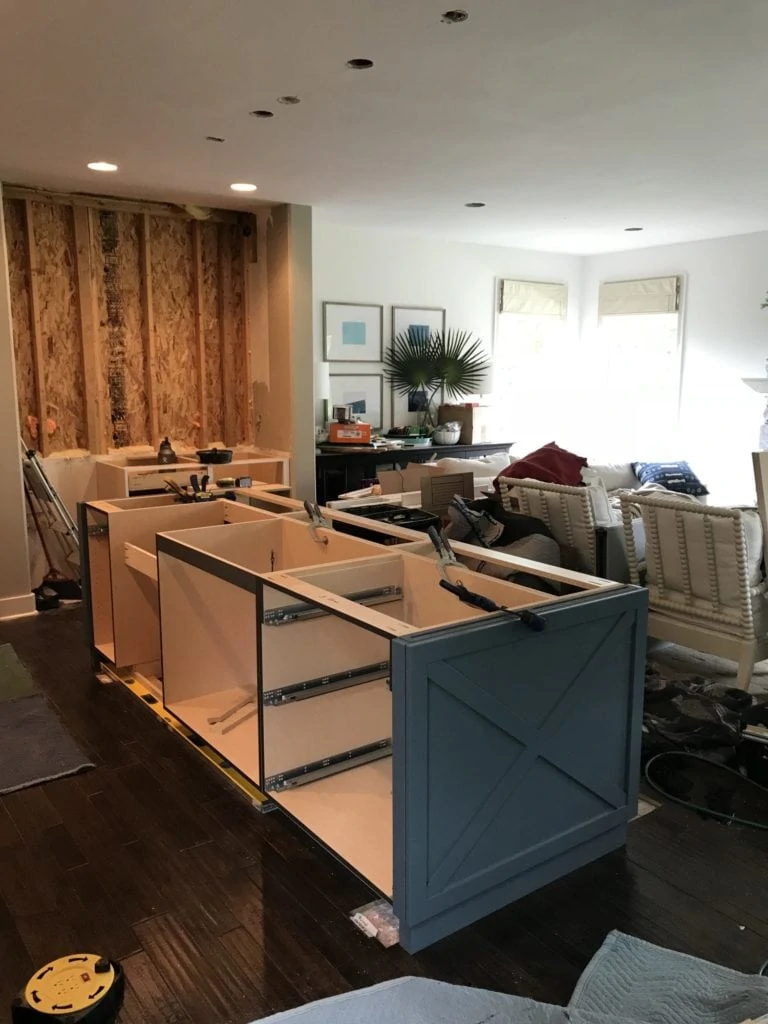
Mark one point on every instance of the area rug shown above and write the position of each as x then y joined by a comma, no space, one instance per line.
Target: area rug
628,981
15,680
34,745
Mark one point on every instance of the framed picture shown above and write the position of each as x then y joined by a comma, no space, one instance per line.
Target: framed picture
353,332
418,319
402,413
364,392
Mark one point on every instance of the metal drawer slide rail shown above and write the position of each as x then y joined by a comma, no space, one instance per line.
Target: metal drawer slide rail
317,770
326,684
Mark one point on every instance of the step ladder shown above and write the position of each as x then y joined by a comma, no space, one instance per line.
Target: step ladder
49,512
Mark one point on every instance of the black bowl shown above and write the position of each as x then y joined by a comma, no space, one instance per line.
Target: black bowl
215,456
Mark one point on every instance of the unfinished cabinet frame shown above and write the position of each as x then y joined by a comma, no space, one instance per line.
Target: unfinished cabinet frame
120,476
119,567
455,760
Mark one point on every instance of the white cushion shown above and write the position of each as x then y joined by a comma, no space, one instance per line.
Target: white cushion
485,466
616,475
601,504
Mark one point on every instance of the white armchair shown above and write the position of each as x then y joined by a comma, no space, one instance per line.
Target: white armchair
567,511
703,570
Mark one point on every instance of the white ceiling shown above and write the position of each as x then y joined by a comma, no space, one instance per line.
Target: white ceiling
571,119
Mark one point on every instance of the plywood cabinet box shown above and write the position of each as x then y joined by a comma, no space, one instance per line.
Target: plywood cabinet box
120,476
455,759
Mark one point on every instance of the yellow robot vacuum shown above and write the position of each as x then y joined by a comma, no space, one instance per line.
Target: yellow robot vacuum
83,988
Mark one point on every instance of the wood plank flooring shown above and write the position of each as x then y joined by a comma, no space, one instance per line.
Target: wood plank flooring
221,915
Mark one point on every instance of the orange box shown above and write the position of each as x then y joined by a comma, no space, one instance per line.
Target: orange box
350,433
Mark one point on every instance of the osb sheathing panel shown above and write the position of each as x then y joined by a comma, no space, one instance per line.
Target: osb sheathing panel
212,332
136,410
175,371
16,242
172,299
60,325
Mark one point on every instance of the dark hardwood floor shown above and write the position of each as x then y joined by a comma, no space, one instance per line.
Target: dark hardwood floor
221,914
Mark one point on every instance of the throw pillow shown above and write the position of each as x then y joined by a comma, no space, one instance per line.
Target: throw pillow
550,464
675,476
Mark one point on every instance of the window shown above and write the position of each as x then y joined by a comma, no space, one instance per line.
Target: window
636,358
532,380
613,393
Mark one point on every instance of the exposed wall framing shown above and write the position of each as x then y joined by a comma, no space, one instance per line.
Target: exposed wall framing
130,322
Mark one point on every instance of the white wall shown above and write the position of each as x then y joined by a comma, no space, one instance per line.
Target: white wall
378,266
725,339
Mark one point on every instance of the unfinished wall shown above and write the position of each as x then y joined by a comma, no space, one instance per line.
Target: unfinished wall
129,323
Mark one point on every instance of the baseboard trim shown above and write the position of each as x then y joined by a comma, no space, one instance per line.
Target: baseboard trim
21,604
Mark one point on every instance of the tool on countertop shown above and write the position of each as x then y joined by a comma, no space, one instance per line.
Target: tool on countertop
316,521
446,557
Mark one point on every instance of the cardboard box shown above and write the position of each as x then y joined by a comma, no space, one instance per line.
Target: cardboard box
397,481
475,421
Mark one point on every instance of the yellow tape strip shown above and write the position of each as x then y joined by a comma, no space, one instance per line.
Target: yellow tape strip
135,685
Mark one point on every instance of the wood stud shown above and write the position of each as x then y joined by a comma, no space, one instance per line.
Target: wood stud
247,244
197,259
148,319
86,294
227,371
36,329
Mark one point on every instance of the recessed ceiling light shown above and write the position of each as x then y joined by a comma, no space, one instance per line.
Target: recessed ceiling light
454,17
359,63
242,186
475,206
289,101
633,229
214,138
262,113
101,165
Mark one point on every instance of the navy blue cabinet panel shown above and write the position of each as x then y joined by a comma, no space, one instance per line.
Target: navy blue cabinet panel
516,756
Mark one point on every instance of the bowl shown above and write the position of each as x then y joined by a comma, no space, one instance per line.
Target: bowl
214,456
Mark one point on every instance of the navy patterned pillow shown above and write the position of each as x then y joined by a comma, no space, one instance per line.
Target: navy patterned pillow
675,476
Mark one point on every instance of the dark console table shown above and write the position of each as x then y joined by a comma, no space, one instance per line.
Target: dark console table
340,469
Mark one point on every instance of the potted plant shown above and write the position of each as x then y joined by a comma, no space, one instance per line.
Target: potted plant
428,368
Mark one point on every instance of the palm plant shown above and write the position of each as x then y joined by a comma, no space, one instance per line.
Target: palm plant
450,362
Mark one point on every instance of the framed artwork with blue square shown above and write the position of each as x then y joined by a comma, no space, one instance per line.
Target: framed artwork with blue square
364,392
353,332
418,321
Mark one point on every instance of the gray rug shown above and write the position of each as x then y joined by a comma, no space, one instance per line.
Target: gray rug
628,981
34,746
15,680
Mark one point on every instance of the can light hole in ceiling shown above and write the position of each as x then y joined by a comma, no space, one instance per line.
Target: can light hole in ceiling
475,206
101,165
289,101
633,229
262,113
360,64
214,138
455,17
243,186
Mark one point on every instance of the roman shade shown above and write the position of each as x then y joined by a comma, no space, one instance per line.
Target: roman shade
651,295
534,298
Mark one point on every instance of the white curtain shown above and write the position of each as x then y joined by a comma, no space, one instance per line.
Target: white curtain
631,298
534,298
